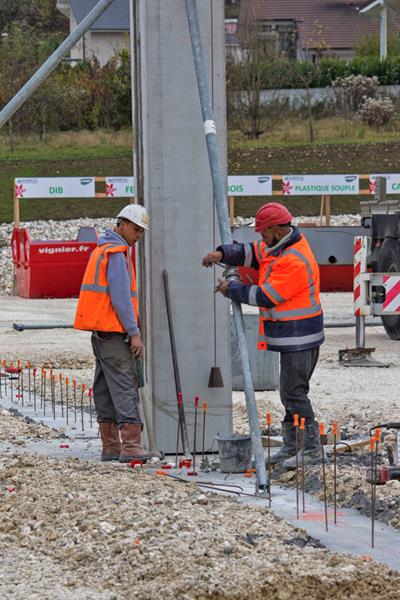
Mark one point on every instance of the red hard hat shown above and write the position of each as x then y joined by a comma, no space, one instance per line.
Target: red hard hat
271,214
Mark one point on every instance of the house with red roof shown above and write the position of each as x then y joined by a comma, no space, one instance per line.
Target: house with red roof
306,29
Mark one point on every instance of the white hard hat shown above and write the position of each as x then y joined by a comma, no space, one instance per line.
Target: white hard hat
137,214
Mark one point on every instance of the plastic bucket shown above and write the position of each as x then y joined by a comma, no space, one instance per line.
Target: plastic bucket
234,452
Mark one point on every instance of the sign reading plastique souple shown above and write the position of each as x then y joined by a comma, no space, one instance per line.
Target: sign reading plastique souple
120,187
250,185
317,185
392,182
50,187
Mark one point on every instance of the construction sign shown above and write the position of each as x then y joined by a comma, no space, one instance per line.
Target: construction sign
120,187
51,187
320,185
250,185
392,183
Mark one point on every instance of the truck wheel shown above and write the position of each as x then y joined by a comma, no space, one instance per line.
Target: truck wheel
389,262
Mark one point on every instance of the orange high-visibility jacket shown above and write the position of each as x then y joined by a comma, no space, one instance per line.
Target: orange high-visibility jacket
95,311
291,281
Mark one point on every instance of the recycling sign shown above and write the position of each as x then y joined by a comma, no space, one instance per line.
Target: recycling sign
320,185
51,187
250,185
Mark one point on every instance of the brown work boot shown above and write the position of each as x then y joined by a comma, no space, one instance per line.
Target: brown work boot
111,445
132,449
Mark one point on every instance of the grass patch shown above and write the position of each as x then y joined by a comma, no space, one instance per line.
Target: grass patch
103,153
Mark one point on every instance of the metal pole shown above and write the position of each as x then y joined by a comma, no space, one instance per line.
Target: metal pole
51,63
219,187
360,332
383,33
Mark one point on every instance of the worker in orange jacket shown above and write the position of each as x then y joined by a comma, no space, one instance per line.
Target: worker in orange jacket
291,319
108,306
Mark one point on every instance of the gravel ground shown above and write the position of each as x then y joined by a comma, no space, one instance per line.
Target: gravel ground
85,541
76,530
68,230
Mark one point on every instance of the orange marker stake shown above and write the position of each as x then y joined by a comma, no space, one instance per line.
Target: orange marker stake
322,436
296,428
335,435
302,428
53,395
269,459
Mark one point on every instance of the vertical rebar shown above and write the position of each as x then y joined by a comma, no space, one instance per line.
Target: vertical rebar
66,399
90,407
296,428
44,391
29,383
371,447
374,472
269,458
181,431
303,493
335,435
74,396
53,395
34,389
83,386
5,376
60,379
322,438
196,408
204,429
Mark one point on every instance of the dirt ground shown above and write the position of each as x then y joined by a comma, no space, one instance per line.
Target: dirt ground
111,534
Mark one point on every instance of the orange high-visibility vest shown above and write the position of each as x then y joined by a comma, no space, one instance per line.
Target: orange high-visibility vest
95,311
291,281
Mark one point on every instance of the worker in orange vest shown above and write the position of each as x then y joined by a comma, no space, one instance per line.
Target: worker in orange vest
108,306
291,319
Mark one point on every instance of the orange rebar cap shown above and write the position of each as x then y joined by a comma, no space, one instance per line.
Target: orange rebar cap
296,420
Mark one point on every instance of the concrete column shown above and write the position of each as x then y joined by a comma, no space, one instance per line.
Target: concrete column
177,191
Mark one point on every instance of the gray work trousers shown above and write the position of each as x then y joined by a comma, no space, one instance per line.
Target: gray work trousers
296,371
115,386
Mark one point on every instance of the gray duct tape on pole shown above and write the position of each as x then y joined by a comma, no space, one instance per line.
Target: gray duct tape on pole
44,71
226,235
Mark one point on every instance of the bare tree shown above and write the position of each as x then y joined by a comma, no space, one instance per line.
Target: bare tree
246,77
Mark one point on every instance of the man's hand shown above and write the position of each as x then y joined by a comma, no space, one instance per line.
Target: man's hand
212,258
136,345
222,288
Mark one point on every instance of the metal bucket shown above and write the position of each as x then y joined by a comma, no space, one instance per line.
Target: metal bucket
234,452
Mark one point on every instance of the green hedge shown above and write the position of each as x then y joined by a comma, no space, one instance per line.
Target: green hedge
283,73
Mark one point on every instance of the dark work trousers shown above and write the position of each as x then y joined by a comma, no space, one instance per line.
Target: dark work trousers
296,371
115,386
